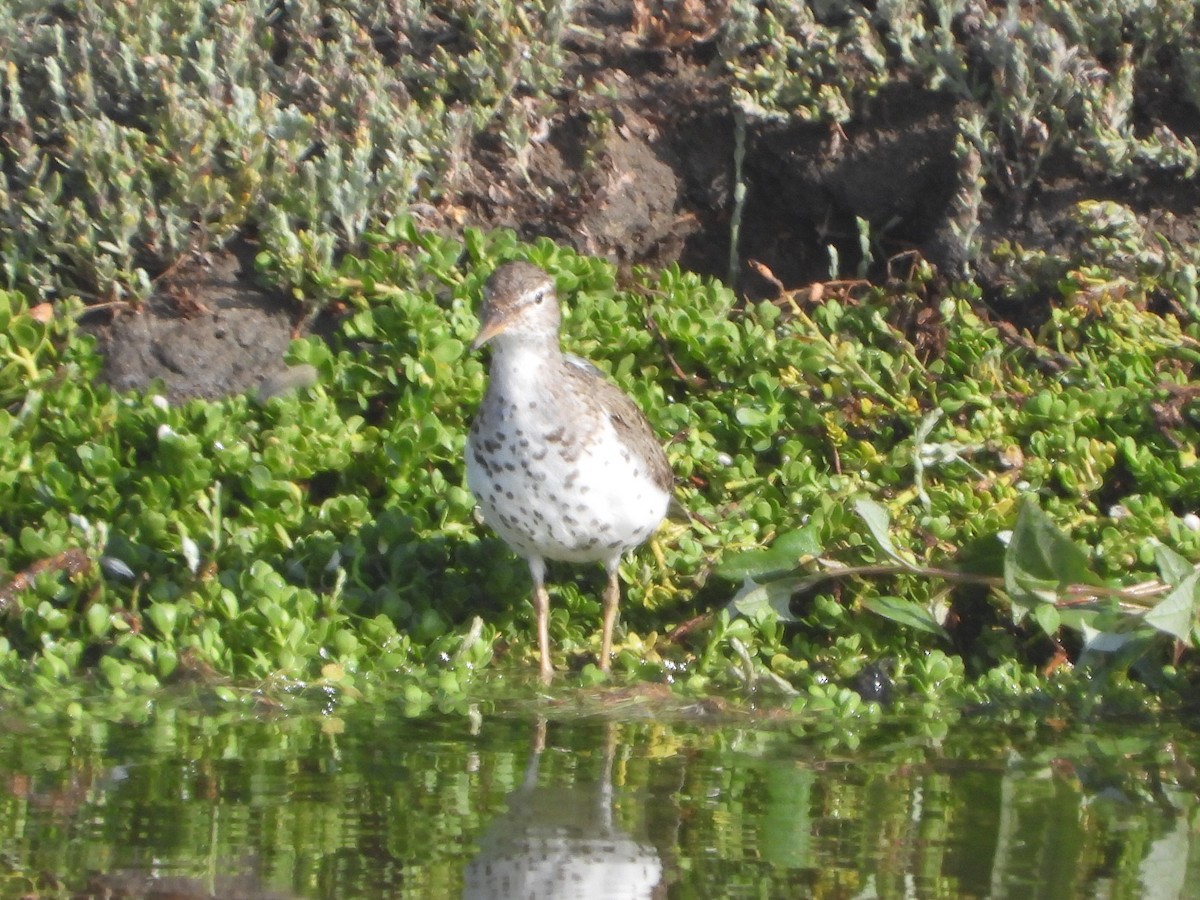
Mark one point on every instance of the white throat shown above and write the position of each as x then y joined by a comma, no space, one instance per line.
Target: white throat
518,367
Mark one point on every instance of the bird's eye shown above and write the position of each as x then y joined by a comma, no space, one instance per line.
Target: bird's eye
540,295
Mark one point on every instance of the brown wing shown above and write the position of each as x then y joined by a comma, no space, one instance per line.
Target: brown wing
631,425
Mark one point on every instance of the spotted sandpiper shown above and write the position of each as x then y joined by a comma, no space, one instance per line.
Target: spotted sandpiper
563,464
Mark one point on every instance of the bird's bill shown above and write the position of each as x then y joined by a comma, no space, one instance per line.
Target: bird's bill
487,331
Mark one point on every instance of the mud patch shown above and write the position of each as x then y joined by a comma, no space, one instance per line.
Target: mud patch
208,333
882,185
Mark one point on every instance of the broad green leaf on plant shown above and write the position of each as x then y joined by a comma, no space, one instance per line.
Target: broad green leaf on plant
1171,566
448,350
748,415
754,601
1176,613
906,612
1098,641
982,556
1048,618
782,556
1041,561
1080,618
875,516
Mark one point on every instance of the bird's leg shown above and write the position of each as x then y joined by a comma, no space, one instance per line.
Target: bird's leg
612,595
541,609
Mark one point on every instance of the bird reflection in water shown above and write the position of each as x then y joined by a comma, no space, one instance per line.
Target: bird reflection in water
560,842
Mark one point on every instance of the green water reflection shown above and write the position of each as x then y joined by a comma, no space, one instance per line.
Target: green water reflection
377,805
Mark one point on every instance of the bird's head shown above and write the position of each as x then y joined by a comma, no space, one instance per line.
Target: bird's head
518,300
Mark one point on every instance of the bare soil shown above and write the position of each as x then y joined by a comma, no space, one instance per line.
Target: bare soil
637,165
211,331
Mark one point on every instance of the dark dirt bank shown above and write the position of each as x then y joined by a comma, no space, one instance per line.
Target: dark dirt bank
654,186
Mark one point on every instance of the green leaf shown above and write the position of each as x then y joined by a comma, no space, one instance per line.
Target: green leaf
785,552
1048,618
165,616
906,612
877,519
1041,561
774,598
448,350
1176,612
99,619
1173,567
983,555
747,415
1097,641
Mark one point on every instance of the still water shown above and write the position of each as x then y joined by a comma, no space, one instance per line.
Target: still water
371,803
